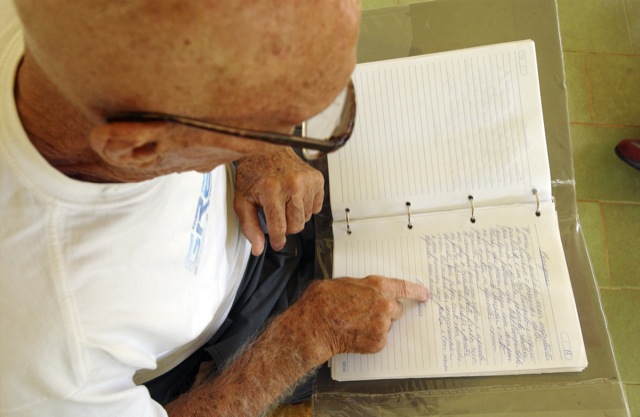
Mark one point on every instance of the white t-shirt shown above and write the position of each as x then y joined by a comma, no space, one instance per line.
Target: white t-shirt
99,282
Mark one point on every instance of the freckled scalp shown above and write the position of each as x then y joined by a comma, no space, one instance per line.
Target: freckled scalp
187,57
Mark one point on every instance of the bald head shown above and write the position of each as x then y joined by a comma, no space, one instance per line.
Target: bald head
250,63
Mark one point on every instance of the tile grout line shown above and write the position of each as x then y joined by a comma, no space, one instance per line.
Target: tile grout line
588,85
611,125
619,202
621,54
620,288
606,247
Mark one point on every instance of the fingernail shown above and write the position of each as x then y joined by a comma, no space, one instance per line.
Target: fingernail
277,246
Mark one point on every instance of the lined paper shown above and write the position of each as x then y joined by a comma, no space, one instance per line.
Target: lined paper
501,301
436,128
432,131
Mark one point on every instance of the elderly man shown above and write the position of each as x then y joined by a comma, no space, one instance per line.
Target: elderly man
128,244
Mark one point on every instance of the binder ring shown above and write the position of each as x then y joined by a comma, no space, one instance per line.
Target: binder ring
347,211
473,210
409,225
535,192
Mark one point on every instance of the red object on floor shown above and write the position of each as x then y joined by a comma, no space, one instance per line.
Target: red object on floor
629,151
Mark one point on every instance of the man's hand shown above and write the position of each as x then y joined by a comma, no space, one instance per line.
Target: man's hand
288,190
332,316
354,315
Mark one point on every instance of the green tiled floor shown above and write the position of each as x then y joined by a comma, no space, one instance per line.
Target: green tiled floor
601,40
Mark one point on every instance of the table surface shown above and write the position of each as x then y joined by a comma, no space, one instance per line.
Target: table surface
442,25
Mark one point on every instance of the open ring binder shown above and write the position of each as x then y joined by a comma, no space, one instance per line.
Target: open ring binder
438,128
473,210
535,192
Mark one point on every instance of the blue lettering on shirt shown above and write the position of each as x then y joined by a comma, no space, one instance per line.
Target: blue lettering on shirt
198,229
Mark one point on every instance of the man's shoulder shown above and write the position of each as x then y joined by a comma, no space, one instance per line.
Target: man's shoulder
9,22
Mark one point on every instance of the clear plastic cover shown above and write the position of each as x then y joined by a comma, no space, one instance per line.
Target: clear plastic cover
441,25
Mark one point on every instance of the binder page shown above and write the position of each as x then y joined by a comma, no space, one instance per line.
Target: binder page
433,129
501,299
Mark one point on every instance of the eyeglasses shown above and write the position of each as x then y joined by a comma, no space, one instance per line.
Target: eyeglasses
339,118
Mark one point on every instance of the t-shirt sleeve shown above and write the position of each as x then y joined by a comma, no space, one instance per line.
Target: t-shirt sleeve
95,401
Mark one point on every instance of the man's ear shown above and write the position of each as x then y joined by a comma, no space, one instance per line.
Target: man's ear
129,144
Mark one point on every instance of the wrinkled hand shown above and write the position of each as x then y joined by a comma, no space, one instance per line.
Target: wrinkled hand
288,190
354,315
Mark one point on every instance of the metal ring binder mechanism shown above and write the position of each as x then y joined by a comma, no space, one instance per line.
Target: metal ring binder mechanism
473,210
346,212
535,192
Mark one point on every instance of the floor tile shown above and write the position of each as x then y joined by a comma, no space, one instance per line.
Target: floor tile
412,1
594,25
633,396
622,235
621,308
577,91
376,4
633,21
591,222
615,88
600,174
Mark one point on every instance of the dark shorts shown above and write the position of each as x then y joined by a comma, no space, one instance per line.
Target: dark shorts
271,283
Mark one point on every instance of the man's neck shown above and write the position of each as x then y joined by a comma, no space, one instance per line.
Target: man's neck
56,129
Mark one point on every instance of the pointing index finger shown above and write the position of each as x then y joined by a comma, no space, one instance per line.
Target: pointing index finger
399,288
